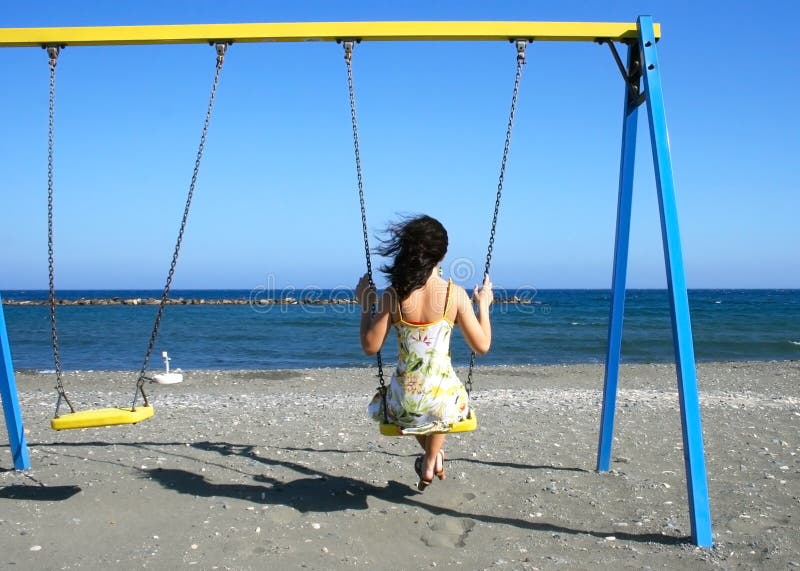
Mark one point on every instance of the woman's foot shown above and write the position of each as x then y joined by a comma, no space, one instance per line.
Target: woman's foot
419,469
438,467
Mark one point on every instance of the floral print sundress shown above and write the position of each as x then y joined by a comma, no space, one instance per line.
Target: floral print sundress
424,394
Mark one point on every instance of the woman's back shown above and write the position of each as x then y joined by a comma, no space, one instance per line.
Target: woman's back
427,304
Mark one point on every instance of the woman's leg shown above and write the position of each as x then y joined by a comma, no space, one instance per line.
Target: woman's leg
433,445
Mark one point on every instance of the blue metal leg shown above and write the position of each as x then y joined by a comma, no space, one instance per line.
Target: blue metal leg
624,201
694,458
8,393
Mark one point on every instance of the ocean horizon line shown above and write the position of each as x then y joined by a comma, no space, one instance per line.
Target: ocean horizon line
292,295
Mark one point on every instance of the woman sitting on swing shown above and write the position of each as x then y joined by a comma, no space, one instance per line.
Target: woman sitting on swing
425,397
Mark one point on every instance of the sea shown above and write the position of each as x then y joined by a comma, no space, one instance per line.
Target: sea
538,327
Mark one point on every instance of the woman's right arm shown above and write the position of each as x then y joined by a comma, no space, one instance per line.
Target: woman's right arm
373,328
477,329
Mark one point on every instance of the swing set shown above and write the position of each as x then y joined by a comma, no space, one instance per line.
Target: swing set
642,81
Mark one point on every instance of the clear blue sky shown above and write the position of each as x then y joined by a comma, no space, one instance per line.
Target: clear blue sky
277,201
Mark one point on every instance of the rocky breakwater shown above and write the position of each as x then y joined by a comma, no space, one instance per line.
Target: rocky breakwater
256,301
184,301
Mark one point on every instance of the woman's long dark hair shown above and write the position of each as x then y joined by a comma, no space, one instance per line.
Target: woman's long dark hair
416,245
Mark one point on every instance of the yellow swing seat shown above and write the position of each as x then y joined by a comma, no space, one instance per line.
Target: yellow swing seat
102,417
467,425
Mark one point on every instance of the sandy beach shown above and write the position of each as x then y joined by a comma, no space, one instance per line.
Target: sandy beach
282,470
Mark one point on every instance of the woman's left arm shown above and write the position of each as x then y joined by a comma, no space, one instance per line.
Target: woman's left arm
374,329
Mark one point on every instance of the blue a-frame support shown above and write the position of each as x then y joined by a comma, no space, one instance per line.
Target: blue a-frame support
8,393
642,64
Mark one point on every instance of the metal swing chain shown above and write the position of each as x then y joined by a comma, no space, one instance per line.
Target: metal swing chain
221,49
52,53
521,45
348,56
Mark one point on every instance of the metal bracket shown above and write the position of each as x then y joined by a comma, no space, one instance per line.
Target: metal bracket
632,77
221,46
348,48
521,45
52,53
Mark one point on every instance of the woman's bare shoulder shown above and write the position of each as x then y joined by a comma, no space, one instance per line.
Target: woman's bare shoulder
458,292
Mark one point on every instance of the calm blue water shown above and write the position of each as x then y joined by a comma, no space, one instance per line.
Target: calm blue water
560,326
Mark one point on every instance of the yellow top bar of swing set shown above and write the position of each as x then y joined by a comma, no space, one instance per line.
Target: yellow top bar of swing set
319,31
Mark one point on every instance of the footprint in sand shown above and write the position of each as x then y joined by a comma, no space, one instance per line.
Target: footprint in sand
446,531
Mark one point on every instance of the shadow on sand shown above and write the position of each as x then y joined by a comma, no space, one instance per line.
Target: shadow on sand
317,491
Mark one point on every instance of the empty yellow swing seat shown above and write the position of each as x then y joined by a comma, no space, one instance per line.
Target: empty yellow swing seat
467,425
102,417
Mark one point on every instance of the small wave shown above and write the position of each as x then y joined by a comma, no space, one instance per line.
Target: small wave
46,371
794,342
